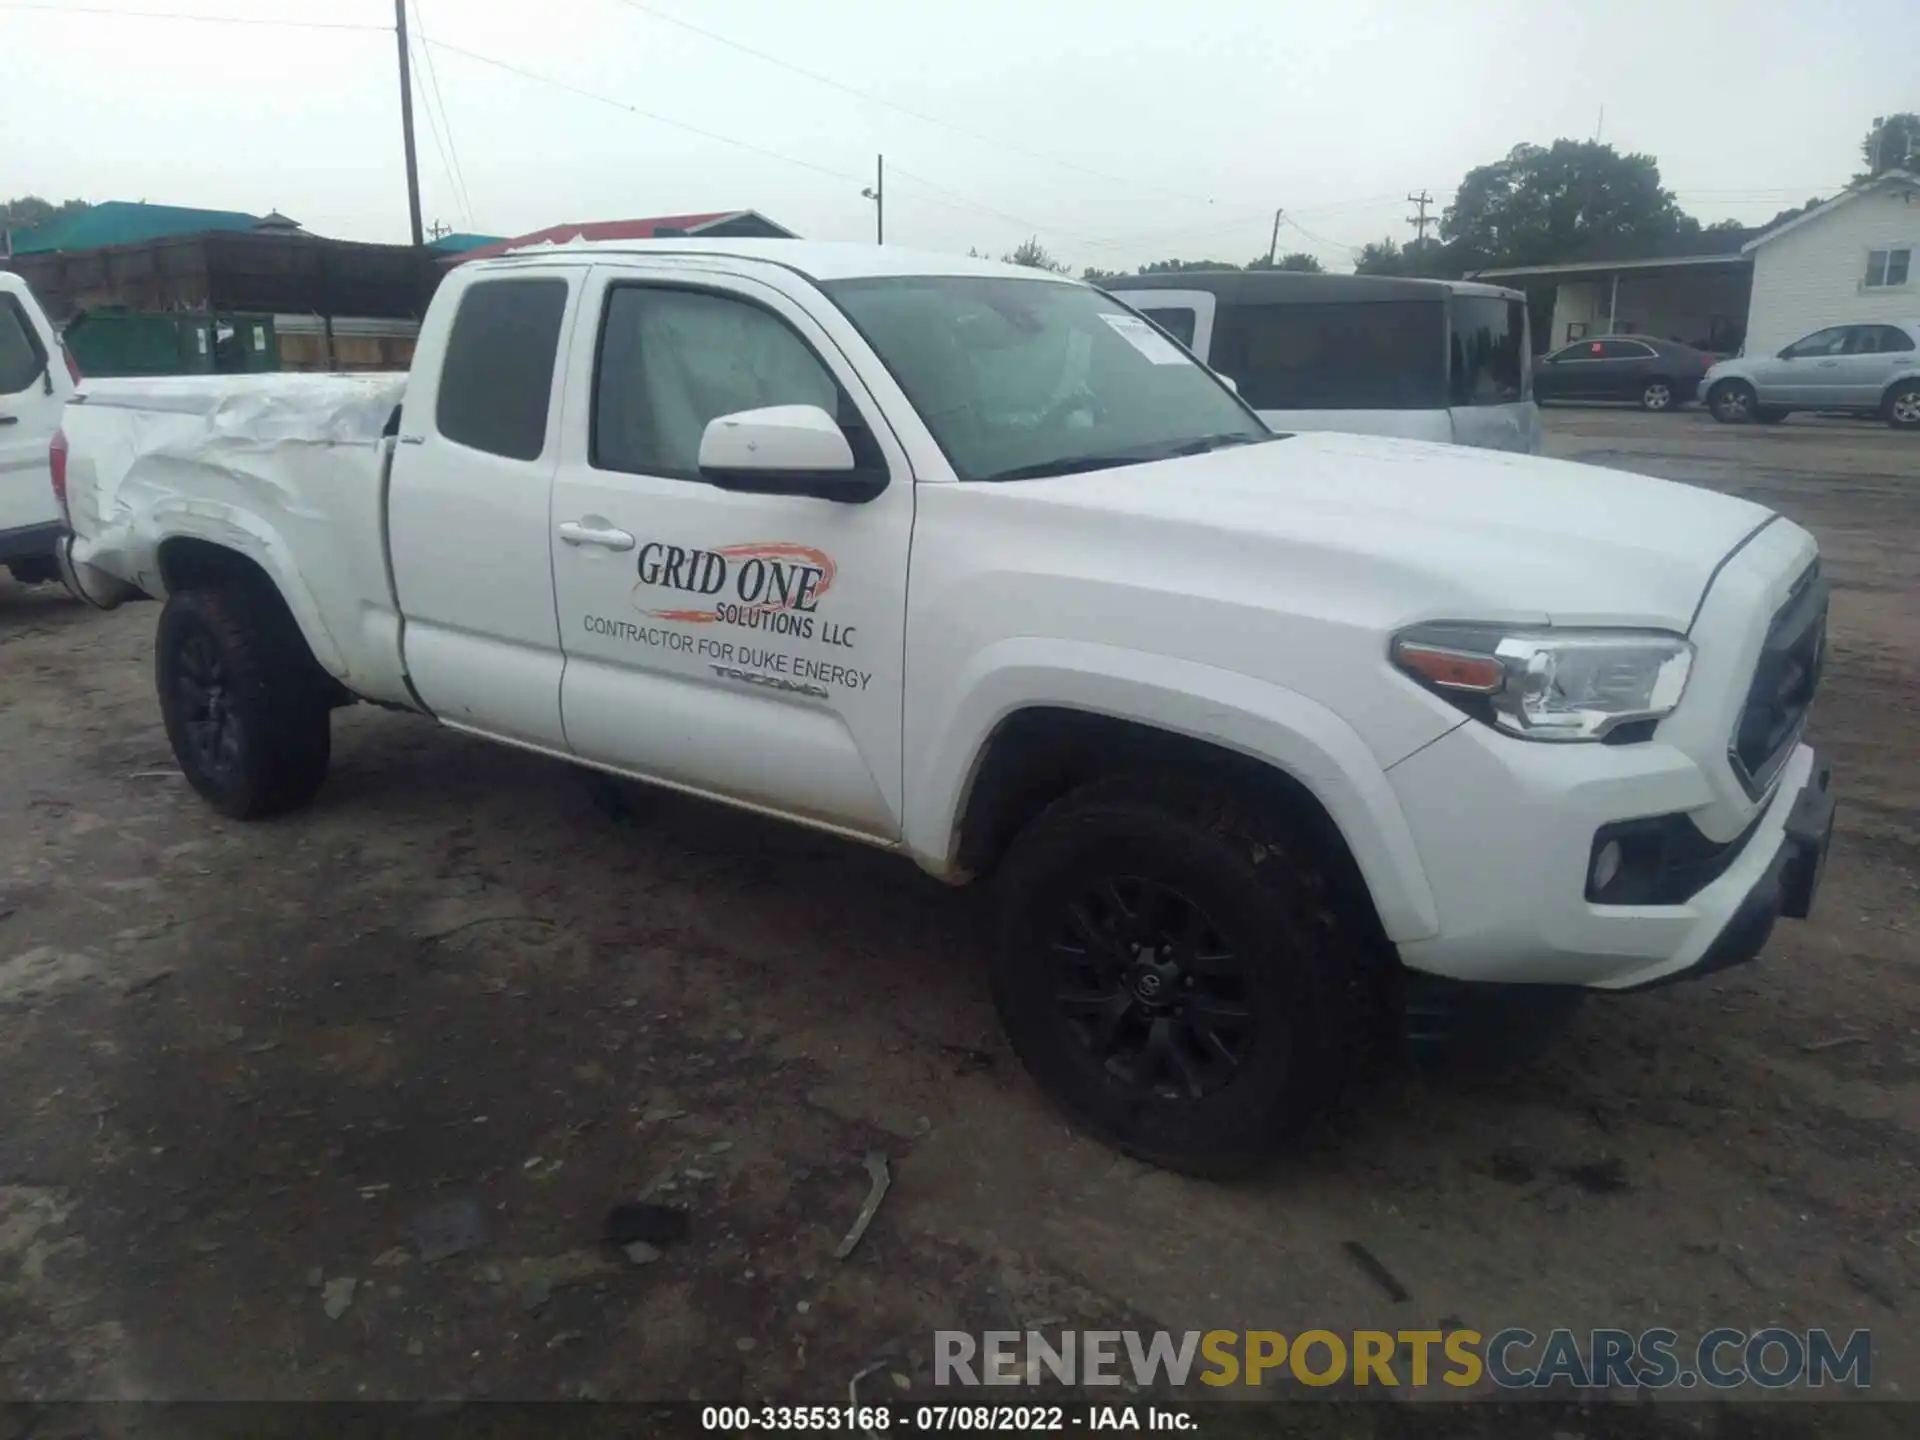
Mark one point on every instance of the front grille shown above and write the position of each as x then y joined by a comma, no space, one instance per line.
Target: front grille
1783,686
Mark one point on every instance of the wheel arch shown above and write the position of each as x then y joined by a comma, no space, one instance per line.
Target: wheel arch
1022,739
1894,386
187,561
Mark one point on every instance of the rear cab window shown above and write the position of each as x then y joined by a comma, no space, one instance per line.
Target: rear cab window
1336,355
497,379
1488,360
23,360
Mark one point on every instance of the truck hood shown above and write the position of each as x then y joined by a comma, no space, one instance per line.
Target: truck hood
1431,531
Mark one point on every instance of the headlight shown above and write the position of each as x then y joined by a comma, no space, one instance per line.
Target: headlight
1549,685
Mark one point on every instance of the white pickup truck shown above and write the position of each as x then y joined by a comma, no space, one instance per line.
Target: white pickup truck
972,563
36,377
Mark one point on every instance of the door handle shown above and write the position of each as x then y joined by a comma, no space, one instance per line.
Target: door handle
1828,364
575,533
9,419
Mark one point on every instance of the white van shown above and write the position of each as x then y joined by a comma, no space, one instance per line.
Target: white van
34,384
1438,360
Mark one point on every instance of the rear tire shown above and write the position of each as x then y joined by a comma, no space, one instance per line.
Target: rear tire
246,709
1733,402
1174,971
1903,406
1658,395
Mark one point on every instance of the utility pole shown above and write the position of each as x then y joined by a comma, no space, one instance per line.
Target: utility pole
1274,244
438,229
877,193
1420,221
406,123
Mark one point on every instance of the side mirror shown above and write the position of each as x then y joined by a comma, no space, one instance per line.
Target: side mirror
785,450
1228,381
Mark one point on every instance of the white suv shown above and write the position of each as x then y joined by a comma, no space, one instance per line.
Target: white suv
34,384
1861,369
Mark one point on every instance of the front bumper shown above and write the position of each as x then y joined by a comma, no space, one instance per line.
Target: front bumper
1512,903
1785,890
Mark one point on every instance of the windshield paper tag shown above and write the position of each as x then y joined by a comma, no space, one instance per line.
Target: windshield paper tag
1144,338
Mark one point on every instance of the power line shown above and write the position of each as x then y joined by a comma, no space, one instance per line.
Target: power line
1319,239
196,19
459,174
1132,183
963,202
658,119
439,145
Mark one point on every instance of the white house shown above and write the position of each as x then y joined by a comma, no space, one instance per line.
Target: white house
1850,261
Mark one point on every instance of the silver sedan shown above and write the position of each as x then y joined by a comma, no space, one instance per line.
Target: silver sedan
1855,369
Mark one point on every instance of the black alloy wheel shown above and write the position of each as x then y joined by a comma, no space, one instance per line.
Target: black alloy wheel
1149,987
205,706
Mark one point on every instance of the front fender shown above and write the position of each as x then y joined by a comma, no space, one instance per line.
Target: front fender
1265,722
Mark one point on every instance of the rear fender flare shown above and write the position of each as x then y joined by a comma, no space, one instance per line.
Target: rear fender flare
248,536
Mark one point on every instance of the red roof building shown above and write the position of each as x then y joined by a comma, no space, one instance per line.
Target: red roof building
720,224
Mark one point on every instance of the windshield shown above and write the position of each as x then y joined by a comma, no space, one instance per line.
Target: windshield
1021,378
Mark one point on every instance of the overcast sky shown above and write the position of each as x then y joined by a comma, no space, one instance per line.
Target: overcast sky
1117,132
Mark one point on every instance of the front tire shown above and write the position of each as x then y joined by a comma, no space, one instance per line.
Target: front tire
1903,406
1733,402
245,711
1658,395
1173,971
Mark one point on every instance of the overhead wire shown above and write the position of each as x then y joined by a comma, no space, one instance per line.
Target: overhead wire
97,10
964,202
654,116
457,175
1131,182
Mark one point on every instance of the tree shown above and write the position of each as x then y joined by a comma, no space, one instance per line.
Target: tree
1298,260
1175,267
1538,205
1031,253
1893,143
1097,276
23,212
1427,259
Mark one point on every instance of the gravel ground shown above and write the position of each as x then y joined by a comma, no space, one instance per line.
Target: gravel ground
239,1063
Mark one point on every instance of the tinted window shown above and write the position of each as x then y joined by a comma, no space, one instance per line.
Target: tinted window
498,374
1488,351
1620,350
673,360
1176,322
21,358
1878,340
1830,341
1388,355
1021,378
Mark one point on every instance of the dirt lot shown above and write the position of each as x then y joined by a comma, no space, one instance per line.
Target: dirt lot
238,1061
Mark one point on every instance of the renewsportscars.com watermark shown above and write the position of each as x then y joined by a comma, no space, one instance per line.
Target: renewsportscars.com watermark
1771,1358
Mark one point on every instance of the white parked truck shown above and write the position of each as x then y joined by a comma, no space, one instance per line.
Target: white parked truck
1252,732
36,378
